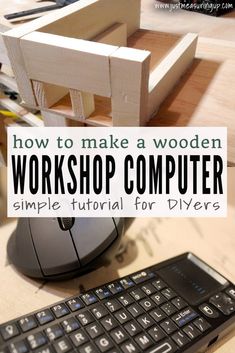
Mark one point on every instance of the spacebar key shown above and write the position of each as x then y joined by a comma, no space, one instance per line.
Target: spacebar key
166,346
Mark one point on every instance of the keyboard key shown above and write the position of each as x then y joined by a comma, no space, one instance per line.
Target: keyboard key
149,289
231,292
47,349
75,304
113,305
94,330
145,321
168,293
169,309
54,332
88,348
159,284
168,326
223,303
157,314
99,311
126,299
191,331
144,341
179,303
89,298
118,335
109,323
132,328
9,331
142,276
129,347
156,333
202,324
147,304
126,283
166,346
103,293
60,310
122,316
184,316
44,317
85,318
79,338
104,343
158,298
70,325
137,294
18,347
209,311
180,338
62,345
135,310
36,340
115,288
27,323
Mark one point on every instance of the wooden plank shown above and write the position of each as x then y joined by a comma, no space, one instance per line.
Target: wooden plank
51,118
8,82
167,73
114,35
158,43
3,52
80,22
14,53
46,94
74,63
83,104
6,69
78,19
129,81
28,117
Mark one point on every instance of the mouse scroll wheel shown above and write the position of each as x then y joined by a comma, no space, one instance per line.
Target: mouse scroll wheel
66,223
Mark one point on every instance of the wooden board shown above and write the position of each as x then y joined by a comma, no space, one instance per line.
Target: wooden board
166,75
80,22
46,95
21,112
83,104
17,62
129,81
8,82
69,62
114,35
3,50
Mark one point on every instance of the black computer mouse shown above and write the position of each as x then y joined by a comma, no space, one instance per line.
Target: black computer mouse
59,248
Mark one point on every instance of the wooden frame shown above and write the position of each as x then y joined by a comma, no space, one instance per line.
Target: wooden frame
66,61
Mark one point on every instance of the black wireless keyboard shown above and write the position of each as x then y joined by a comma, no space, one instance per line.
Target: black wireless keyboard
180,305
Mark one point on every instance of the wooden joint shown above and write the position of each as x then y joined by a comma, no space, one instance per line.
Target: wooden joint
47,94
83,104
